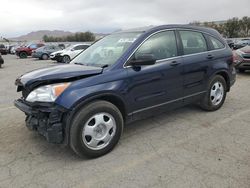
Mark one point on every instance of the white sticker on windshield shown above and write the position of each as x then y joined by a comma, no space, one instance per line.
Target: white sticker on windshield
123,40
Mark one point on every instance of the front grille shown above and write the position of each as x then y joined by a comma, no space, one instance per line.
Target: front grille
246,56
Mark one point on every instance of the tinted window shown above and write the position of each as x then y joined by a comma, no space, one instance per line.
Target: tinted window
216,43
193,42
53,47
161,45
81,47
33,46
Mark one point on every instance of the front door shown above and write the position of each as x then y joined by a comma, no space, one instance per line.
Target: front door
153,87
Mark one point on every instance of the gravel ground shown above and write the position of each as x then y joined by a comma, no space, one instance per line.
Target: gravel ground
183,148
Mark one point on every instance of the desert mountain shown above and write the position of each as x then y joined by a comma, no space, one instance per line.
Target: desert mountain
38,35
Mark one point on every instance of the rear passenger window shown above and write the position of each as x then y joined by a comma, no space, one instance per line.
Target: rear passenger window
162,45
193,42
216,43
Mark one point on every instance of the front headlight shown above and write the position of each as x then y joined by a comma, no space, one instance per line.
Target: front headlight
47,93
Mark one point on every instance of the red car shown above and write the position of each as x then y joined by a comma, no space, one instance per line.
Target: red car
242,59
23,52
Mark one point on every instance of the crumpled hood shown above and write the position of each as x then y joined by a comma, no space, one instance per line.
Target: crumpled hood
56,74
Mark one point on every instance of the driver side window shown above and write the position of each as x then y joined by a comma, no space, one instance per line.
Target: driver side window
162,45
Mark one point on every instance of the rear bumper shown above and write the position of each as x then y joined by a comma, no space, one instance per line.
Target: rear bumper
45,118
233,77
17,53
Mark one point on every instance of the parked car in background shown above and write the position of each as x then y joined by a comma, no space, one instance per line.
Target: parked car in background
86,103
45,51
10,49
3,49
24,52
242,59
69,53
241,43
1,60
13,49
230,43
62,46
56,55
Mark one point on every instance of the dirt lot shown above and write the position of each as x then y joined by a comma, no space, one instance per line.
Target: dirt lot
184,148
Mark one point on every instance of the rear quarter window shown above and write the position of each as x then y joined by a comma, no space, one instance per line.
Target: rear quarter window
216,44
193,42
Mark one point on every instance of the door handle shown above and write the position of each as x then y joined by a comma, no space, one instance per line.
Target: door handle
210,56
174,63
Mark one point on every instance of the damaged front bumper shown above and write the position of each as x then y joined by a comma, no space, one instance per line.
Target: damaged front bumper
45,118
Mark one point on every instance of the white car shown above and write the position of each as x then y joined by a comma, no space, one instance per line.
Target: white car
56,55
66,55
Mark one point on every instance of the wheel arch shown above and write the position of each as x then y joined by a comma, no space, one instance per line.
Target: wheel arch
225,75
110,97
23,52
41,56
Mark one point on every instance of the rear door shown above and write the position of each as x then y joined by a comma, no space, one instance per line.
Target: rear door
196,63
154,87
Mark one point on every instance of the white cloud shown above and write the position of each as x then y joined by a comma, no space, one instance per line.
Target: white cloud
18,17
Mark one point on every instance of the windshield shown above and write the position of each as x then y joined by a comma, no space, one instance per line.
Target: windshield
108,50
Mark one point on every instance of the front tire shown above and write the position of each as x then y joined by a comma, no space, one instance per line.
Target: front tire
66,59
23,55
96,129
216,94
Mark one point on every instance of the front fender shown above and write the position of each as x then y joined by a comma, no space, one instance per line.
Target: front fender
76,95
74,99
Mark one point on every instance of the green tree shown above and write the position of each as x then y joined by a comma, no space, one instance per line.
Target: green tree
77,37
245,26
232,28
45,38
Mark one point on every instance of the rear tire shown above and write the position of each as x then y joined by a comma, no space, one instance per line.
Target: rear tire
23,55
96,129
45,57
216,94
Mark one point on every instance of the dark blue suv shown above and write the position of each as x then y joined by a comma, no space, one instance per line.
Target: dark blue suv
126,76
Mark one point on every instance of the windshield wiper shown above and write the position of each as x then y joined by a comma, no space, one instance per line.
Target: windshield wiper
105,66
94,65
79,63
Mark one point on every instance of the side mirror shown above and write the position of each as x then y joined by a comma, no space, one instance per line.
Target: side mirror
143,59
72,49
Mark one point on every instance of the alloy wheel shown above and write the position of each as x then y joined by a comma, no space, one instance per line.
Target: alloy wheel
99,131
216,93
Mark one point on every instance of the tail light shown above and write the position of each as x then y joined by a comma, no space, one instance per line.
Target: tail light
236,58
